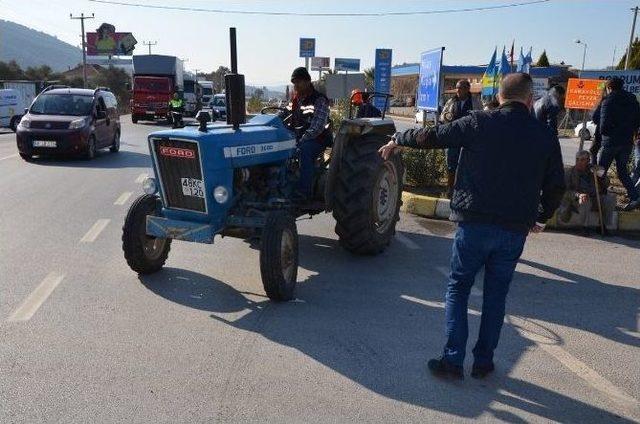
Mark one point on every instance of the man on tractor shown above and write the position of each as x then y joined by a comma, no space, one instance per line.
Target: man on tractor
310,118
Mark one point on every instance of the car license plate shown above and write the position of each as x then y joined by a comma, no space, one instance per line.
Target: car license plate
44,143
192,187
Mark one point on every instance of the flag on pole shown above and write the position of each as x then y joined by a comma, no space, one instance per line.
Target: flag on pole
521,62
511,54
504,68
489,82
528,60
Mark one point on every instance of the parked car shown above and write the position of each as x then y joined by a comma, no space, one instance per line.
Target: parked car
588,132
11,108
65,121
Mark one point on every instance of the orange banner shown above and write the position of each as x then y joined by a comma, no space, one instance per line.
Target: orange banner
583,93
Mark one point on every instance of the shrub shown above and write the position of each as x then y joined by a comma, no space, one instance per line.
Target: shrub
425,168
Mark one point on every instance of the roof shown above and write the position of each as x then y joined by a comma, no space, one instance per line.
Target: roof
76,91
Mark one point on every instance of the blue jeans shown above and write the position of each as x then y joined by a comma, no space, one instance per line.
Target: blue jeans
497,250
635,178
621,155
453,154
309,152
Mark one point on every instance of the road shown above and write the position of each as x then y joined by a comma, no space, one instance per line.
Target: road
569,145
84,339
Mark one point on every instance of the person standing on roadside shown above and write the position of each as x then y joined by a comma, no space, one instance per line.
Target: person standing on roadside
510,182
619,121
548,107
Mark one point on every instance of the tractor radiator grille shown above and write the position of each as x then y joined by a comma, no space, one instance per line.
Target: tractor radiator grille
180,170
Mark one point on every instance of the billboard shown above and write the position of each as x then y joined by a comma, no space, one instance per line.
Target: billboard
320,63
107,42
307,47
583,93
631,78
540,87
349,65
339,86
382,76
429,84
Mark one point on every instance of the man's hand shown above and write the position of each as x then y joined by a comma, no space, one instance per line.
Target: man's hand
388,149
538,228
583,198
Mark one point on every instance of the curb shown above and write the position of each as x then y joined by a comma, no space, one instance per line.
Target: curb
432,207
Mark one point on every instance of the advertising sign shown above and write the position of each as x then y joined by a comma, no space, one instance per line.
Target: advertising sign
349,65
107,42
307,47
540,87
429,84
320,63
583,93
631,78
340,86
382,76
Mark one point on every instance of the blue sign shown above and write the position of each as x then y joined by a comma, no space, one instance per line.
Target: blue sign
429,84
307,47
349,65
382,76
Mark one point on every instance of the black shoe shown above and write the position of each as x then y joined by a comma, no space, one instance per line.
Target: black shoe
442,368
481,371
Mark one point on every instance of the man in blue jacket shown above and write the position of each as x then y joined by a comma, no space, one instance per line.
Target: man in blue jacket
510,181
619,120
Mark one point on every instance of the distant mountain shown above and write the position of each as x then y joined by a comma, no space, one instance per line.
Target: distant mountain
29,47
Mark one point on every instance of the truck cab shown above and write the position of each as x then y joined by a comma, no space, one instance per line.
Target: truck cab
207,91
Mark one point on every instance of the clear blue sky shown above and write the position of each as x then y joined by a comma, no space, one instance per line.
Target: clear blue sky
268,45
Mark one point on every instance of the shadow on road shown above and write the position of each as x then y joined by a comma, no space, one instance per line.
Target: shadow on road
377,324
104,159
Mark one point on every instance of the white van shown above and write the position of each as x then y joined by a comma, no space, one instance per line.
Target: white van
11,108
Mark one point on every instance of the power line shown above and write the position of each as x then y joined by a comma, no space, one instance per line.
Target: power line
331,14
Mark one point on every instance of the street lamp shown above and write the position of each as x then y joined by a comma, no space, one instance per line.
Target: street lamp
583,131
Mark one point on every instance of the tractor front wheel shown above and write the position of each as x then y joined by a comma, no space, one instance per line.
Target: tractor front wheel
279,256
145,254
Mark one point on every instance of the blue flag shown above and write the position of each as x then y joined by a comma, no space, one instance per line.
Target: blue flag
489,83
505,68
521,62
528,61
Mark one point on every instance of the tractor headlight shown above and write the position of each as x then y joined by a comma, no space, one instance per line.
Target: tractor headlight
221,194
149,186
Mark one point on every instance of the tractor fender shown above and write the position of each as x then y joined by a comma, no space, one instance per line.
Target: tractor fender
334,166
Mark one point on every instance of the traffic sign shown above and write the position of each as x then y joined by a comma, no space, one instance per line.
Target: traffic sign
382,76
307,47
429,85
349,65
583,93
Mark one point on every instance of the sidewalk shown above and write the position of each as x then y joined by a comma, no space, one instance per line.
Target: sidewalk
431,207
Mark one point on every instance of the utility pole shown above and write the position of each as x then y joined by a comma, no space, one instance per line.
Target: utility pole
633,30
84,45
150,43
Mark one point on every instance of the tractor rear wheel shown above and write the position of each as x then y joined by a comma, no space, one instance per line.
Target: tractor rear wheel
145,254
279,256
368,196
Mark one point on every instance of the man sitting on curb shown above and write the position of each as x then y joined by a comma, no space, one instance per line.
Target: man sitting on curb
580,196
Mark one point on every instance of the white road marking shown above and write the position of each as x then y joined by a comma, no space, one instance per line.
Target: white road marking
123,198
407,242
525,328
10,156
141,178
36,298
95,231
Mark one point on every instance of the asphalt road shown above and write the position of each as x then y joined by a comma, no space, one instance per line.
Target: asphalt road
569,145
84,339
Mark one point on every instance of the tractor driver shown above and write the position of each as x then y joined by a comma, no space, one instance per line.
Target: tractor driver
310,117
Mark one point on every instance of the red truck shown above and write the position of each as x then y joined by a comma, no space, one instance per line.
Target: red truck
155,79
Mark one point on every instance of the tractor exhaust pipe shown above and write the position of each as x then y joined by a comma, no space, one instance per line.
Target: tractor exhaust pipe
235,88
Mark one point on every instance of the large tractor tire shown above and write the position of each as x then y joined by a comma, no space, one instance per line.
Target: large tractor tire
279,256
367,196
144,254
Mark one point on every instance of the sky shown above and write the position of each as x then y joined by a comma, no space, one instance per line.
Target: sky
268,45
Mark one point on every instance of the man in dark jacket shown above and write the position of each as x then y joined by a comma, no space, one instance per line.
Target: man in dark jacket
619,120
456,107
510,164
548,107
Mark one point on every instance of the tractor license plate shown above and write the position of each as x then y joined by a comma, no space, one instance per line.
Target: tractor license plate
192,187
43,143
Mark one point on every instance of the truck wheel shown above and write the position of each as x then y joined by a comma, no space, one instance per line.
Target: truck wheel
115,146
367,197
14,122
144,254
279,256
134,119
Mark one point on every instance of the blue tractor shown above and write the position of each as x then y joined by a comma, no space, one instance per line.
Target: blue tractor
238,180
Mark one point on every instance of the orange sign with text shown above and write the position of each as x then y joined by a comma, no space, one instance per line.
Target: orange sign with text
583,93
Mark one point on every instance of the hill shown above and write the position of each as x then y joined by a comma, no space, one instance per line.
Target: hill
29,47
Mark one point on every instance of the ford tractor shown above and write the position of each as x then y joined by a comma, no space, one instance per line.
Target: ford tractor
239,180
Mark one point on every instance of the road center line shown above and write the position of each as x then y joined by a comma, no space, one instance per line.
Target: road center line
95,231
141,178
10,156
407,242
123,198
36,298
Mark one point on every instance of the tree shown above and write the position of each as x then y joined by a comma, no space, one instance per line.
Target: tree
11,71
634,62
258,93
543,60
217,77
40,73
369,79
117,80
